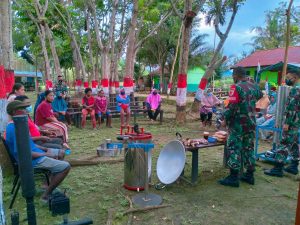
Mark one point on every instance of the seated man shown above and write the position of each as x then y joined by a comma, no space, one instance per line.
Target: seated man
88,102
153,104
60,107
40,159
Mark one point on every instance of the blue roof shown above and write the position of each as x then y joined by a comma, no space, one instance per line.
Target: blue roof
27,74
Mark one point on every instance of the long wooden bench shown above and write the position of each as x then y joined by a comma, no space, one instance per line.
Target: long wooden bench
137,108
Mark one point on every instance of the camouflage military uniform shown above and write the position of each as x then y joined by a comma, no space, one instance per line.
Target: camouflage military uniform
60,87
290,138
240,118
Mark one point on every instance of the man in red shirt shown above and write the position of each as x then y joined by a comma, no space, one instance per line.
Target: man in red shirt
88,102
46,119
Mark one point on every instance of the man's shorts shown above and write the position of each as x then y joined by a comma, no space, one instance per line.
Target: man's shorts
53,165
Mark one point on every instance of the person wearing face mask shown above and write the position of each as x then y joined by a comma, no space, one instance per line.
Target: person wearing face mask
101,108
268,120
239,116
88,102
123,106
60,107
290,136
153,104
208,101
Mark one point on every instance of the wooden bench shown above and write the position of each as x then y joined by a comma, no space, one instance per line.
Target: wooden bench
137,108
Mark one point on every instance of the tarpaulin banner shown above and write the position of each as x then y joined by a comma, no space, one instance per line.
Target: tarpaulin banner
182,81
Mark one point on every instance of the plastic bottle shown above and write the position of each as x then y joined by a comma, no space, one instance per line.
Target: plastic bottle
67,152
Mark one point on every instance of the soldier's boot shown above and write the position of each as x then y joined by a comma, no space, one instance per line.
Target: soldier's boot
248,177
293,167
232,180
277,171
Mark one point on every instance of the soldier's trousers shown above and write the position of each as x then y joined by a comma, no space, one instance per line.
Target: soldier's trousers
240,149
288,146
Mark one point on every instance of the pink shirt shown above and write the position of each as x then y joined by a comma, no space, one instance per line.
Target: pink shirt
100,104
154,100
209,101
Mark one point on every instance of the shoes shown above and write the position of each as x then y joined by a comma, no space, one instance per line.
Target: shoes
277,171
292,168
232,180
248,177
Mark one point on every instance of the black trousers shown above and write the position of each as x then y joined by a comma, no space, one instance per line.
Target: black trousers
154,115
204,116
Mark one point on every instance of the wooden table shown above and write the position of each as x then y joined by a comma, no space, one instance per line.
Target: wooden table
195,160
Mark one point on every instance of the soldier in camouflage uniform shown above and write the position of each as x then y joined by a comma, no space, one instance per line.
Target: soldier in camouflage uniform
60,86
240,118
290,136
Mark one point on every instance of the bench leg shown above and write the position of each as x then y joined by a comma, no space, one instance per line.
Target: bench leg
161,114
15,195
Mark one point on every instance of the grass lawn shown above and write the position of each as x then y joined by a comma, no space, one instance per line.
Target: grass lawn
94,190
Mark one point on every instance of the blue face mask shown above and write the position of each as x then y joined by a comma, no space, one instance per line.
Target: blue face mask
209,94
29,109
122,92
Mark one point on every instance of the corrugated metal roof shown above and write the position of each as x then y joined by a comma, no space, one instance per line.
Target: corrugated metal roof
270,57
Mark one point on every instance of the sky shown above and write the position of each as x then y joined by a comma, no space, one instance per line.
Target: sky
251,14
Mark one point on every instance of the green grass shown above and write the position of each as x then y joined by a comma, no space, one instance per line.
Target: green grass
94,190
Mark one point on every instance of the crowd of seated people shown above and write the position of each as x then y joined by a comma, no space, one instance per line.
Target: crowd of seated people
267,118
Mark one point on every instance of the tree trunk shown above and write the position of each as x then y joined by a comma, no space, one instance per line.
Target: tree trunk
88,24
130,52
6,46
183,64
214,63
75,61
53,50
174,62
42,36
287,40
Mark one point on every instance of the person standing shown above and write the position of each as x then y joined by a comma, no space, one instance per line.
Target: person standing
123,106
240,119
88,102
153,103
208,102
290,135
101,108
60,85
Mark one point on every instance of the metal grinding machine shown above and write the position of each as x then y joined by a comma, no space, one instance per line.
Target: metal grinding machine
268,155
137,146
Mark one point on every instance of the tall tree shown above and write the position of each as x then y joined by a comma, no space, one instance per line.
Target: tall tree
272,35
6,46
217,10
